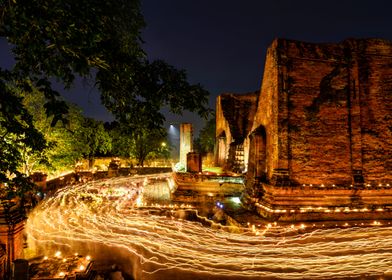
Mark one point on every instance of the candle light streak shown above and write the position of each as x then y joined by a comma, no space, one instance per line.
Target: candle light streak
105,213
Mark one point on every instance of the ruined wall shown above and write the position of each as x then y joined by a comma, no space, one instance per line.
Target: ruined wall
266,116
223,135
326,110
234,119
316,93
375,93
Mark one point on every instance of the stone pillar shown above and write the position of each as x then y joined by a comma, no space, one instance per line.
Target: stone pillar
12,222
185,141
193,162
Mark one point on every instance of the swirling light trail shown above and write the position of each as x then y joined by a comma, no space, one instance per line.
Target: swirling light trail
104,214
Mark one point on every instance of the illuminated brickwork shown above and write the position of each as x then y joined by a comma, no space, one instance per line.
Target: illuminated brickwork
322,133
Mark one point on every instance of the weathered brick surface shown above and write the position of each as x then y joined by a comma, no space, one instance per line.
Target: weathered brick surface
326,109
322,131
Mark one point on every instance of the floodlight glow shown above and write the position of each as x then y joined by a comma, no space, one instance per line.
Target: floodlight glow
236,200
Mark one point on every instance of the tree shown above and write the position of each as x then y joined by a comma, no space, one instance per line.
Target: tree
17,132
147,142
142,93
58,39
93,139
121,140
206,141
141,144
63,148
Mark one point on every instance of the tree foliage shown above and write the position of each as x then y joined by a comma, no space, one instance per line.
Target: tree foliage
205,143
63,148
17,133
140,145
58,39
93,139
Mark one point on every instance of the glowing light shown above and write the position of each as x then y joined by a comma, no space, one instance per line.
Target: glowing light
61,274
81,268
88,258
101,215
236,200
57,254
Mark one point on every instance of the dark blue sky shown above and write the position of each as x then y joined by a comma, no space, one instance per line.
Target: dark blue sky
222,44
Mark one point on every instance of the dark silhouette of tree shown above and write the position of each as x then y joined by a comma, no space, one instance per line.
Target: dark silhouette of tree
99,40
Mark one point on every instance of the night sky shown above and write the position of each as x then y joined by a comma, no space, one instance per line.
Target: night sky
222,44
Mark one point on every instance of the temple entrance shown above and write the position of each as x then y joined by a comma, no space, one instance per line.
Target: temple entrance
257,168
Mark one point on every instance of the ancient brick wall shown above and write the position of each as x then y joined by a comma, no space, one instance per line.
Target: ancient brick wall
223,135
326,112
266,119
315,91
375,91
234,119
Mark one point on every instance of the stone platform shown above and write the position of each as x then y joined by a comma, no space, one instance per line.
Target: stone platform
201,187
319,203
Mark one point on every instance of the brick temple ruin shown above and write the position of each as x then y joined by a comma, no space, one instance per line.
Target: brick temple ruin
316,141
12,222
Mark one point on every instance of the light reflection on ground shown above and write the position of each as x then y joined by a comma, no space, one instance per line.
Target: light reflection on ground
104,215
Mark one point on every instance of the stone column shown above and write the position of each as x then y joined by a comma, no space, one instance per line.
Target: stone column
185,141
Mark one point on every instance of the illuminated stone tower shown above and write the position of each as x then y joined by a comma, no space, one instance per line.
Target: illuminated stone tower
185,141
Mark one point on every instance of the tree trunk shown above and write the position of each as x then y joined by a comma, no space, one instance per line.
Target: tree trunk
90,162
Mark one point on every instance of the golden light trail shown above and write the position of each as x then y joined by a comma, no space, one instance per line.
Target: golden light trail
102,218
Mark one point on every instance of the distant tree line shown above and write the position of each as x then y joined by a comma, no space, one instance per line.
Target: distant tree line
85,138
